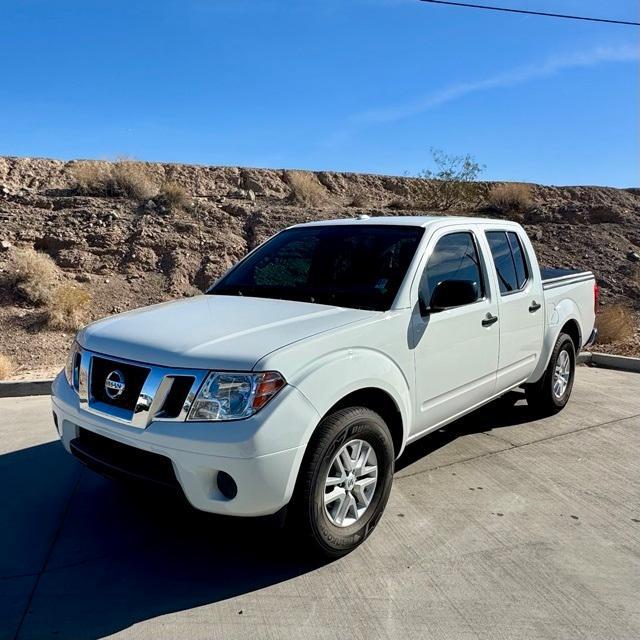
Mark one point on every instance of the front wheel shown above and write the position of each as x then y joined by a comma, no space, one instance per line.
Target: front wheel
551,393
345,480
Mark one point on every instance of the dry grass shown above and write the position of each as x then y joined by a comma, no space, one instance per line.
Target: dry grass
306,189
614,324
91,177
398,204
123,179
510,196
360,200
407,205
131,179
68,307
32,275
173,196
6,367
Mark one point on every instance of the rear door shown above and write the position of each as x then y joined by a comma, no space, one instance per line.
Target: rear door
521,305
456,350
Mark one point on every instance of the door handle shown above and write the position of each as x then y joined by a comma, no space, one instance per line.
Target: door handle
488,320
534,306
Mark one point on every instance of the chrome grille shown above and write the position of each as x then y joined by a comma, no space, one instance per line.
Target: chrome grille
155,393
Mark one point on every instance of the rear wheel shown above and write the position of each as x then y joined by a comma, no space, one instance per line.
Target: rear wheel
345,480
551,393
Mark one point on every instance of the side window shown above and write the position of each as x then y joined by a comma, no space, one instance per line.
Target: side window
509,260
454,257
522,273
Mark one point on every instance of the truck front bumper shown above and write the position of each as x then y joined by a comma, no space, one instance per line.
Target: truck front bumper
262,454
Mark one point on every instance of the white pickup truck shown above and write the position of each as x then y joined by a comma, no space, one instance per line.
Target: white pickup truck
302,374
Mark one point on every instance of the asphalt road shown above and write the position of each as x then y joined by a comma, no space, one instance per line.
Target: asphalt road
498,527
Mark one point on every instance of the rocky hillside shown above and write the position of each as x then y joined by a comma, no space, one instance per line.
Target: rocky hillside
132,247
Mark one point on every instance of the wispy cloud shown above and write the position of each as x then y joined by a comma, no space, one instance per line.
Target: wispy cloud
513,77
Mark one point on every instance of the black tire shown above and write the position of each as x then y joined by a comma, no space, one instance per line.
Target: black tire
308,506
540,396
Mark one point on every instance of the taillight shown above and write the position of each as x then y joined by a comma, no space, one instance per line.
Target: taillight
596,297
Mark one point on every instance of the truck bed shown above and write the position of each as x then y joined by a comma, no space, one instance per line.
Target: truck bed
552,278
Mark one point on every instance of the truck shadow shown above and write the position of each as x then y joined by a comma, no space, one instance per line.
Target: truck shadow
509,410
84,557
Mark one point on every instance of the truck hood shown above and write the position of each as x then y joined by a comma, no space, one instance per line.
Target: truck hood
212,332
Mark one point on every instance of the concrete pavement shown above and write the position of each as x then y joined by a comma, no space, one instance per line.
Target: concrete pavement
497,527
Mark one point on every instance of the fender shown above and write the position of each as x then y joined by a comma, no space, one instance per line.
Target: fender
557,317
324,381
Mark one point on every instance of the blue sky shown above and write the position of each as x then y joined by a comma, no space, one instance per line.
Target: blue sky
355,85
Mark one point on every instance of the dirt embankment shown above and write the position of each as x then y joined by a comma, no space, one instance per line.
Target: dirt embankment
132,251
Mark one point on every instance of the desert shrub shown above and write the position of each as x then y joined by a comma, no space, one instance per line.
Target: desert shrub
306,189
32,275
452,183
91,178
68,307
359,200
400,205
173,196
6,367
131,179
614,324
510,196
123,178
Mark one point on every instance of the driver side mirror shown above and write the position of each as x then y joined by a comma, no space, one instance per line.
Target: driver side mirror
449,294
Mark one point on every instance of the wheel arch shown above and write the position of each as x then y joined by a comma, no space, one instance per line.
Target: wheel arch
565,318
359,377
572,329
383,404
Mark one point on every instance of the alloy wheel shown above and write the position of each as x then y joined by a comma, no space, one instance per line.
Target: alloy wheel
350,483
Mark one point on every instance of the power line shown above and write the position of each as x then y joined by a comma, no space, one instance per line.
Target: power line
532,13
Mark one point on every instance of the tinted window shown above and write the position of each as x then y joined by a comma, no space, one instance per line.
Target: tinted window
522,273
454,258
358,266
509,260
289,266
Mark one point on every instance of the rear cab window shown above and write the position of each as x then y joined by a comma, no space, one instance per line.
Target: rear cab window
509,260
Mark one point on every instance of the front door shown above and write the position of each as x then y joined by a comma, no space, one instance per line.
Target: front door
455,350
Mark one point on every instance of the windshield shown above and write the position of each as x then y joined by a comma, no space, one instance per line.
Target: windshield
357,266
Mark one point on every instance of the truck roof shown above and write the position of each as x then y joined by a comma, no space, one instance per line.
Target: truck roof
408,221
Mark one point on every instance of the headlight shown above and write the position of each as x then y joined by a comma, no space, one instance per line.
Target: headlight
231,396
72,366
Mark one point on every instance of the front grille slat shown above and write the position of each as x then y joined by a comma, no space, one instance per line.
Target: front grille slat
176,397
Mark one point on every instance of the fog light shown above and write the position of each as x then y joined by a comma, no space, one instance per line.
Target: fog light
227,485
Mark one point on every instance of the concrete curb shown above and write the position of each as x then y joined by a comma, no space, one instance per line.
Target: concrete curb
584,357
619,363
25,388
